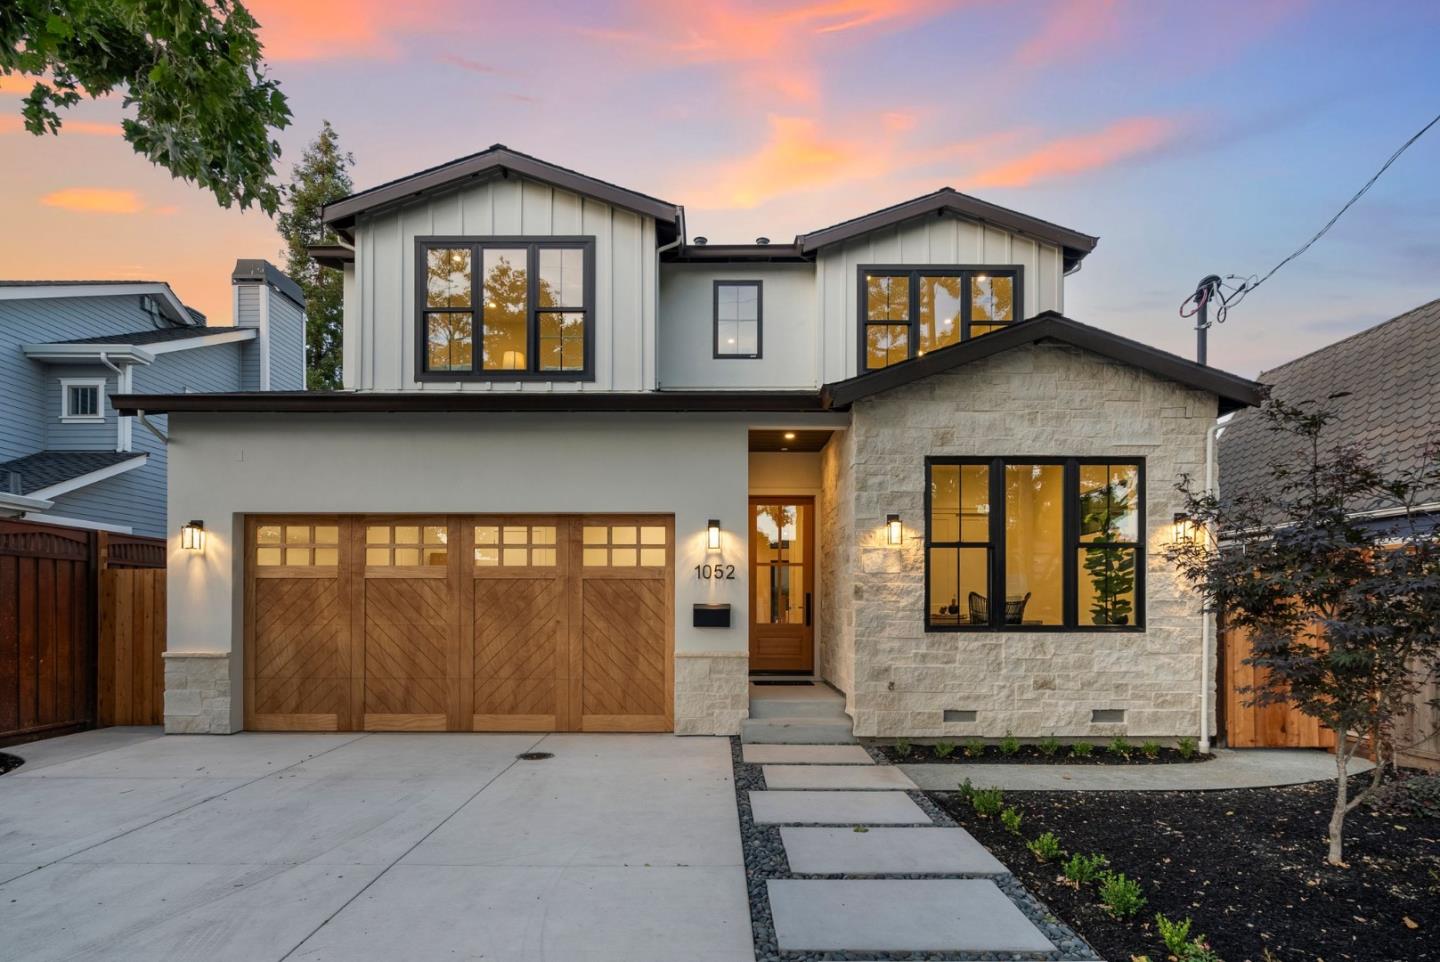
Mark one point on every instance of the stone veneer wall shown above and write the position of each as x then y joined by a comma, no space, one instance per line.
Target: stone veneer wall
197,693
712,692
837,582
1043,400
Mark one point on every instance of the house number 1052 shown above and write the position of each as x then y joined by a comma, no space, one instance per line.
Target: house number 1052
721,572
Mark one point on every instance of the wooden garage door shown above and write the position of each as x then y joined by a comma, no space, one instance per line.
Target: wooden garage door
460,623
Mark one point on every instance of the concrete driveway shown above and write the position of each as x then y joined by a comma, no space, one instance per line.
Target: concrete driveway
119,844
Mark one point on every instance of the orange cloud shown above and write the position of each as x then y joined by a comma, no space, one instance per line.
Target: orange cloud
1066,156
796,156
15,125
335,29
95,200
1071,27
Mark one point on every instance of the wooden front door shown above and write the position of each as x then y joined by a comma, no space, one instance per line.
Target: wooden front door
782,584
459,623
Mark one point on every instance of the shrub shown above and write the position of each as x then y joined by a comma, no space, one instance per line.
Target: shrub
944,749
1082,869
902,746
1011,819
1121,896
1176,936
1150,750
1045,847
1417,795
1009,745
1081,750
966,790
1187,747
974,748
1119,746
987,801
1048,746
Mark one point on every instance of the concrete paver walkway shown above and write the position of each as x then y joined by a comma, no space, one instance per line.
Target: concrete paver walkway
1230,768
264,847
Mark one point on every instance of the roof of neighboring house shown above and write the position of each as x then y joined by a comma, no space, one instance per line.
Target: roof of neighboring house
341,214
11,290
1392,410
156,335
262,270
45,469
70,283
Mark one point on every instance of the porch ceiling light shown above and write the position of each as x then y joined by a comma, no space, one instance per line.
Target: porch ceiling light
192,536
713,527
893,531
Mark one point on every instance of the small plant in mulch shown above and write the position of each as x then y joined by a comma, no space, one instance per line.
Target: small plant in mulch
1150,750
987,802
1009,745
1084,869
1011,819
1046,847
1416,795
1048,746
1120,895
1176,936
902,747
966,791
1187,747
943,749
974,748
1081,750
1119,746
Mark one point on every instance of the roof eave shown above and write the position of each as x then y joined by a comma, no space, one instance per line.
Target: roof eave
385,402
99,353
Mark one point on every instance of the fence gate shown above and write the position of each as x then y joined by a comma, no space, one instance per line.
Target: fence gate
131,689
1271,726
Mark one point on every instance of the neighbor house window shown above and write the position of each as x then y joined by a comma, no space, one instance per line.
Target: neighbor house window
1034,544
907,312
505,309
737,319
82,400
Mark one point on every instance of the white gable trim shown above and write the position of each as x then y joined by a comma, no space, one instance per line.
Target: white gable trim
222,336
12,505
78,522
70,353
30,292
85,480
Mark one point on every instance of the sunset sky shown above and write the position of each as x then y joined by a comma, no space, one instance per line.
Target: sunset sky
1191,137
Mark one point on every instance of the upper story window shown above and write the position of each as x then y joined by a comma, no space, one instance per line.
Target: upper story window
738,314
82,400
907,311
1034,544
501,308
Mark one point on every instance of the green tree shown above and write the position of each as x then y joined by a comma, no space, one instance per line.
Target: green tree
1343,612
191,69
321,176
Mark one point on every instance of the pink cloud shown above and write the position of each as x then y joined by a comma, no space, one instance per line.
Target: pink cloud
1067,156
336,29
95,200
1071,27
14,124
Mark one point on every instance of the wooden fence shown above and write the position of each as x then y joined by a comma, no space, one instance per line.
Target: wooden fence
82,628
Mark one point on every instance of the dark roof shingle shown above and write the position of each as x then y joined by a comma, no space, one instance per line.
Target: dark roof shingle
46,468
158,335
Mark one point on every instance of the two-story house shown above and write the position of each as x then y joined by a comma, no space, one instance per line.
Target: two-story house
68,347
591,474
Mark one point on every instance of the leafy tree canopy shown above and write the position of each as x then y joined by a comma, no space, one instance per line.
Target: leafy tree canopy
191,69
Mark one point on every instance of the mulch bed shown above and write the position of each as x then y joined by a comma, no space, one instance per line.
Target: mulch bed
8,762
1248,865
1030,755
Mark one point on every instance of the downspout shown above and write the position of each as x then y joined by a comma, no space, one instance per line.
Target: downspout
1207,618
121,386
150,426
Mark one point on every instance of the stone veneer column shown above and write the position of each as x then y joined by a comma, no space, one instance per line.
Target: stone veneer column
712,692
197,693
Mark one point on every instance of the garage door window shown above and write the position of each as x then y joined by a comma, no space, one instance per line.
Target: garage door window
624,546
405,546
297,545
515,546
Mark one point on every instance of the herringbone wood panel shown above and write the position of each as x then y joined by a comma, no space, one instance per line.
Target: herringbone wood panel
406,637
519,630
299,633
624,641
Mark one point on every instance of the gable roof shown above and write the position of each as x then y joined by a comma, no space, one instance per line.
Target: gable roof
947,200
1233,391
1392,411
19,290
340,215
43,472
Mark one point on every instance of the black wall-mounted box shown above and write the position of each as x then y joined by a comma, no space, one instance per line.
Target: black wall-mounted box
712,616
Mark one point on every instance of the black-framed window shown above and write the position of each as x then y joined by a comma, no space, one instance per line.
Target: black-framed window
739,316
1034,544
910,310
505,308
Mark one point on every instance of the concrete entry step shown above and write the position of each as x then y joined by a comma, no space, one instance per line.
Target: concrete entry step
797,731
806,755
887,851
810,701
836,808
899,915
829,777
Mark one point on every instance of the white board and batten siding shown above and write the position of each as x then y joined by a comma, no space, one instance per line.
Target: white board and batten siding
384,284
927,240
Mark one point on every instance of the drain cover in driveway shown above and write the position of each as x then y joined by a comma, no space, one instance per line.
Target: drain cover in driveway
534,756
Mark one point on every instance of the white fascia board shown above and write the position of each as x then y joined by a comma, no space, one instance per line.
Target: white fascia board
70,353
17,504
222,336
85,480
31,292
78,523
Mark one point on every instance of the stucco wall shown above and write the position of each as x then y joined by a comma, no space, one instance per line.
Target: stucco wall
1043,400
225,466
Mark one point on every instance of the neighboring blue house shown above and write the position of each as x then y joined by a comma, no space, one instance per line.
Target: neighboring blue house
67,346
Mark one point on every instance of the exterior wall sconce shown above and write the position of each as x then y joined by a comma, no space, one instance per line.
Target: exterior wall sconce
192,536
1184,528
713,527
893,532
